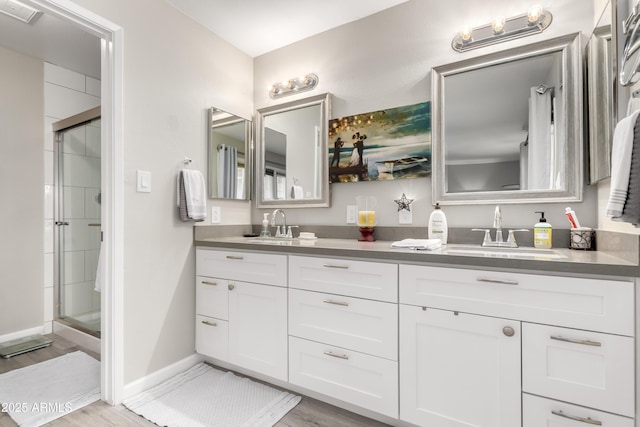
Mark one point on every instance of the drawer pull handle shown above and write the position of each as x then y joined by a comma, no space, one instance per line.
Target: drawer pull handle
574,418
231,286
235,257
498,281
344,304
204,282
206,322
344,267
339,356
573,341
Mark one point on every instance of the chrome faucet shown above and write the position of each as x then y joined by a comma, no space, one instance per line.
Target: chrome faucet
279,232
499,241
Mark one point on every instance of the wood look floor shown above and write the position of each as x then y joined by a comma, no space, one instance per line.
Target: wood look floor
308,413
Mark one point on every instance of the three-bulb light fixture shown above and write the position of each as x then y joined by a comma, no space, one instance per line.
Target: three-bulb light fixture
535,21
294,85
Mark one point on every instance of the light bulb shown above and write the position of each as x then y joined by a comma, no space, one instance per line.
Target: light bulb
498,25
534,14
465,34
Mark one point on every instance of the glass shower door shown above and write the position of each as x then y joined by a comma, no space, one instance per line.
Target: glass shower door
78,225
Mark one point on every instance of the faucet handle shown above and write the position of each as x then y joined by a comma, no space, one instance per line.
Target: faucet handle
289,233
487,235
512,238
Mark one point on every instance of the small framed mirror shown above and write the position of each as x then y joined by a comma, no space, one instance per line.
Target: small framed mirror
229,156
507,127
291,154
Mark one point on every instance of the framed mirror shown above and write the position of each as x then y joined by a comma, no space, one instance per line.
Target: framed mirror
601,95
507,127
291,154
229,156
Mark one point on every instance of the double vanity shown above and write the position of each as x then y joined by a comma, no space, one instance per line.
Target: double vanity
460,336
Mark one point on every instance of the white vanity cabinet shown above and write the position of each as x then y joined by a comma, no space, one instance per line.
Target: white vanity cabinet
458,369
241,309
577,348
343,330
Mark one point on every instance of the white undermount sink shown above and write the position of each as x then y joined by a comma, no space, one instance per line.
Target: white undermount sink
518,253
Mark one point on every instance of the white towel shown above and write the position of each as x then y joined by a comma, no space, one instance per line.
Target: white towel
420,244
195,194
621,164
98,282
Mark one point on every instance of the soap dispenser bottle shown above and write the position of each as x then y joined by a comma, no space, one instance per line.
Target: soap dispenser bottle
542,233
438,228
265,226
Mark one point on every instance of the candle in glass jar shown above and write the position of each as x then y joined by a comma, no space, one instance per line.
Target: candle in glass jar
366,218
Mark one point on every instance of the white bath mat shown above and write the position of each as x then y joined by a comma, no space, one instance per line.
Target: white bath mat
205,396
37,394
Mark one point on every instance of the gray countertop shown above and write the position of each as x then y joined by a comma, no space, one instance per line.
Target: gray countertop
562,261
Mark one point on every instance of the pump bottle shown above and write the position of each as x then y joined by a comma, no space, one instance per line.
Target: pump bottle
438,228
265,226
542,233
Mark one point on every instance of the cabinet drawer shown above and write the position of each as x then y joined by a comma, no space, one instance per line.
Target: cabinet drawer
366,381
586,368
354,323
253,267
538,411
361,279
212,337
212,297
597,305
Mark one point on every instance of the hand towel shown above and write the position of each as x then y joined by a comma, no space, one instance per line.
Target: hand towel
631,210
419,244
621,150
192,197
297,192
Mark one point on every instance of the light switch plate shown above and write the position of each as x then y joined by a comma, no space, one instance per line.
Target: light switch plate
143,181
405,217
352,212
215,214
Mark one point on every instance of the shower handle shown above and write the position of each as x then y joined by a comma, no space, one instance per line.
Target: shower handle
62,222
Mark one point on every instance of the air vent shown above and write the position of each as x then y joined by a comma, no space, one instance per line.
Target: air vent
18,10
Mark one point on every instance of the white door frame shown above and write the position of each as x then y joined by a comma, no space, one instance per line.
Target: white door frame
112,163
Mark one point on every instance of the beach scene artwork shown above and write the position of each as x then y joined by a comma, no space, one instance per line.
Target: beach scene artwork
381,145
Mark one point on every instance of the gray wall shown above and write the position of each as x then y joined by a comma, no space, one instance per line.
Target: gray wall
21,192
384,61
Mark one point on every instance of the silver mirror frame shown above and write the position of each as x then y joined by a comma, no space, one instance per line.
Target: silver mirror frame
569,45
324,101
224,118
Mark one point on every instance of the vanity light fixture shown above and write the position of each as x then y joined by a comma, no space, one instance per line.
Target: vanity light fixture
535,21
293,86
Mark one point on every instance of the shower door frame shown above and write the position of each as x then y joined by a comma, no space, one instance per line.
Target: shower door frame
60,220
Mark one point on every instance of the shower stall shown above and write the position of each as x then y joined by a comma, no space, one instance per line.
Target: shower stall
77,222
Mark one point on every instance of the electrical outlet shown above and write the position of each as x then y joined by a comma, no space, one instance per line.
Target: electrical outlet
215,214
352,212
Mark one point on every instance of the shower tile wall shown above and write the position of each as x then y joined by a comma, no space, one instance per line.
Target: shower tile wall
67,93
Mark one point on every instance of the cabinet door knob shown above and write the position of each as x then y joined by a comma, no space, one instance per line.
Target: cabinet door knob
508,331
231,286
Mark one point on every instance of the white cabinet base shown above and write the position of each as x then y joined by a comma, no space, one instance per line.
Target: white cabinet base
367,381
540,412
212,337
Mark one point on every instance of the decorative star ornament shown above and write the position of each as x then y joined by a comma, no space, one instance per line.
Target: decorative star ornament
403,203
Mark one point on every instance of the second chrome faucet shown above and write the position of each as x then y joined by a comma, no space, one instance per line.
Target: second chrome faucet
499,240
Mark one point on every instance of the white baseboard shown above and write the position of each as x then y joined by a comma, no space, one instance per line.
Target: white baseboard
157,377
90,342
21,334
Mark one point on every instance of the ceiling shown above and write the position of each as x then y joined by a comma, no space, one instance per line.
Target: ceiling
243,23
260,26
